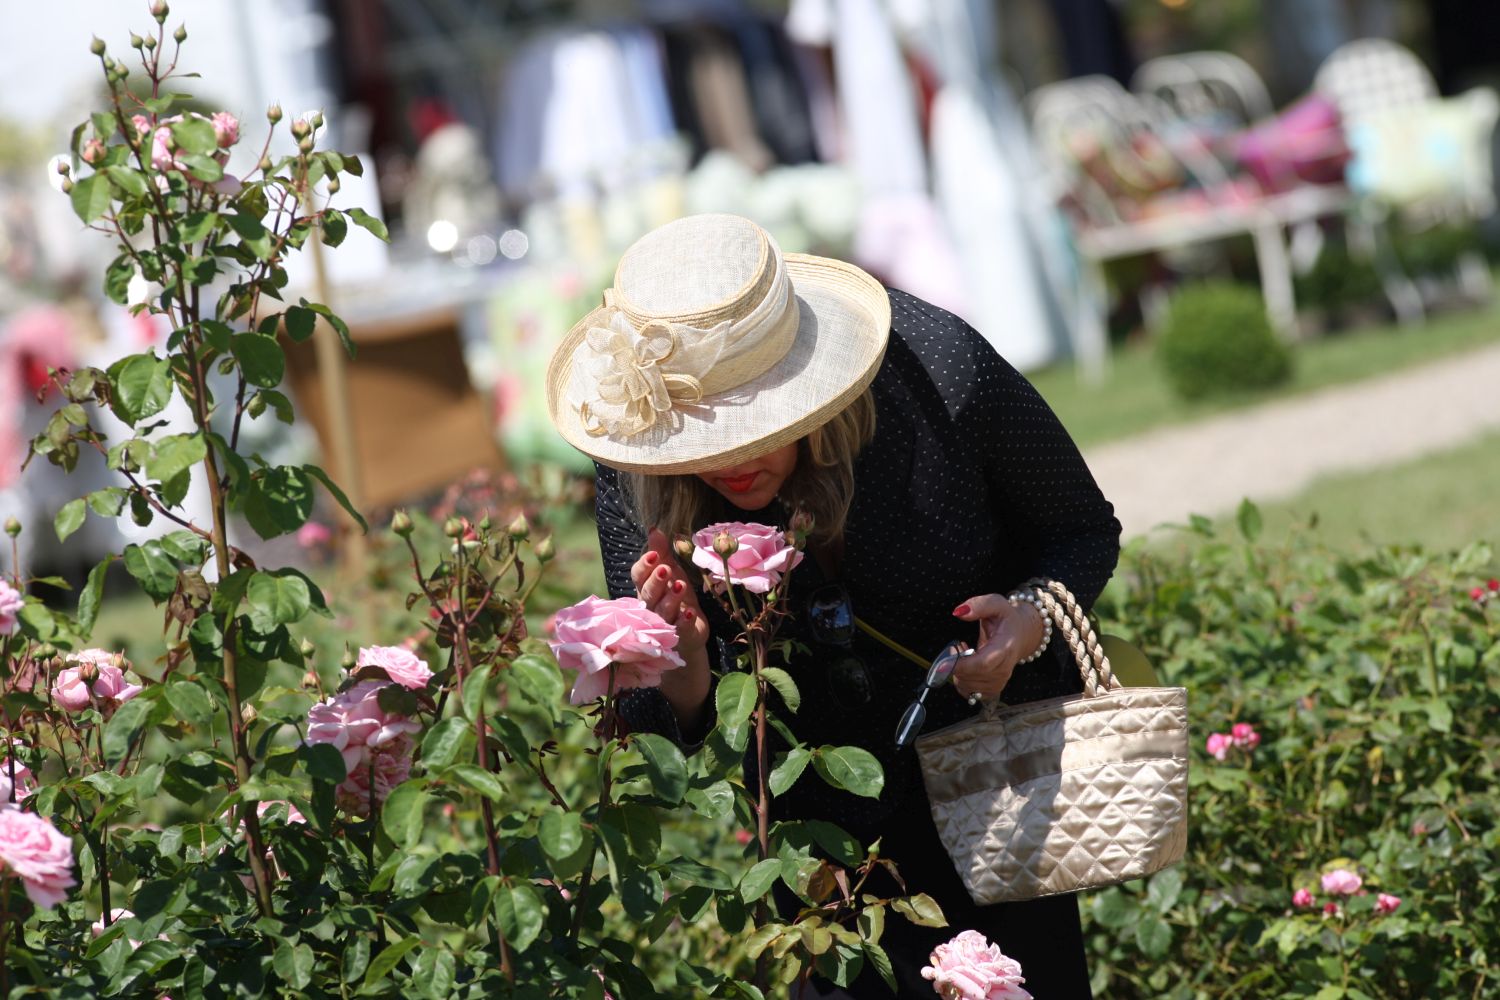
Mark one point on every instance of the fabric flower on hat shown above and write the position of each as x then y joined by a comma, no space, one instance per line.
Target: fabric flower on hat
33,850
73,690
760,558
1342,882
970,968
11,603
399,663
376,744
594,634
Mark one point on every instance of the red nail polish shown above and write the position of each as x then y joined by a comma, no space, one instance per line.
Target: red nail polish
960,611
651,558
676,586
661,572
688,614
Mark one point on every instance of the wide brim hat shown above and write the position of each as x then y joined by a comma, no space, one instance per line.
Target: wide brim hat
713,348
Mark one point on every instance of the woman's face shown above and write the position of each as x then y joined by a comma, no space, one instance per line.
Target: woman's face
753,484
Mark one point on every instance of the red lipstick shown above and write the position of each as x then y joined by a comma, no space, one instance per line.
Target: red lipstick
740,484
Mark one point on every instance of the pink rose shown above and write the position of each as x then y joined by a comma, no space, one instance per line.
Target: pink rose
1386,903
74,693
1302,899
757,564
11,603
313,535
595,634
1341,882
1218,745
226,128
399,663
1330,909
970,968
162,154
116,914
369,738
34,851
1244,735
142,125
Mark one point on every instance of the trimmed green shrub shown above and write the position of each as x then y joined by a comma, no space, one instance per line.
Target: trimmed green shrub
1217,340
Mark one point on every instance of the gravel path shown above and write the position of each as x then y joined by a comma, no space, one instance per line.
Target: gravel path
1276,450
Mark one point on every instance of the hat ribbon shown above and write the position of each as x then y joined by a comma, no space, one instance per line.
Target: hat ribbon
648,372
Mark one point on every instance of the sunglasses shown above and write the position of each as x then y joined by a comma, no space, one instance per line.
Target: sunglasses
938,674
830,619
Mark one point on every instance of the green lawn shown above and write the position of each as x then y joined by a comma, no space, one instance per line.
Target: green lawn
1135,397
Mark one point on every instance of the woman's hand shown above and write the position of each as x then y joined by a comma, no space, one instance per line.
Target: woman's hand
1007,633
660,582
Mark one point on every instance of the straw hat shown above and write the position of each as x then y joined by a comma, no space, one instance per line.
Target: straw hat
712,348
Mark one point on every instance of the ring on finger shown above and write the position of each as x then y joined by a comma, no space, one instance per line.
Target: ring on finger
975,698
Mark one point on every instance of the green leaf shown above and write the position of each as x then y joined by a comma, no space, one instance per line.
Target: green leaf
277,598
194,135
127,180
665,766
294,964
70,518
475,686
387,959
850,768
152,568
300,322
126,724
882,963
735,700
538,678
333,489
356,957
90,197
367,221
474,777
756,882
402,814
204,168
784,685
194,226
445,741
334,227
1153,935
279,500
1248,518
785,774
560,834
117,279
108,502
519,913
323,762
714,802
260,358
91,594
339,326
1164,888
190,702
252,233
174,455
920,909
142,386
1439,714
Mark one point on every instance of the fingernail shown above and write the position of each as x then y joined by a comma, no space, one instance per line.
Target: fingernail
676,586
661,572
960,611
688,614
652,557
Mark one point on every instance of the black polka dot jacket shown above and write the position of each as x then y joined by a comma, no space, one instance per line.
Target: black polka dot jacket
970,486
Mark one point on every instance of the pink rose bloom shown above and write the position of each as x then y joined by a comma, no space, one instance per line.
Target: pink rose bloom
34,851
1386,903
142,125
1302,899
368,737
1218,745
970,968
71,692
162,154
759,562
11,603
399,663
226,128
313,535
594,634
1244,735
1342,882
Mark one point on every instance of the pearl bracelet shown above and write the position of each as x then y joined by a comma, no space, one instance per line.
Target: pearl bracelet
1030,596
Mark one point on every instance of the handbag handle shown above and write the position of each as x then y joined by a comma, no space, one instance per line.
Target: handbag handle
1069,619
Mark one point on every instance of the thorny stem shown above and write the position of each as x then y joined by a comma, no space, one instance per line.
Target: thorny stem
607,727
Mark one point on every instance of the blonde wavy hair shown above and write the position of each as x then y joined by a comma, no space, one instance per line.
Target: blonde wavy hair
822,483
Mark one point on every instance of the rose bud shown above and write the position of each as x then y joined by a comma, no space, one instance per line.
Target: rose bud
401,523
63,167
305,144
300,128
88,672
683,546
150,42
136,41
266,164
93,151
310,679
307,649
1493,585
248,714
273,114
454,527
180,35
67,185
544,550
12,527
519,529
348,660
97,46
725,544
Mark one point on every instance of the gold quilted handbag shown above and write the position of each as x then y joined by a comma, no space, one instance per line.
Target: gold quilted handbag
1067,793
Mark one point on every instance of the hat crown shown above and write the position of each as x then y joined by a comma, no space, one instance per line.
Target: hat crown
700,271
